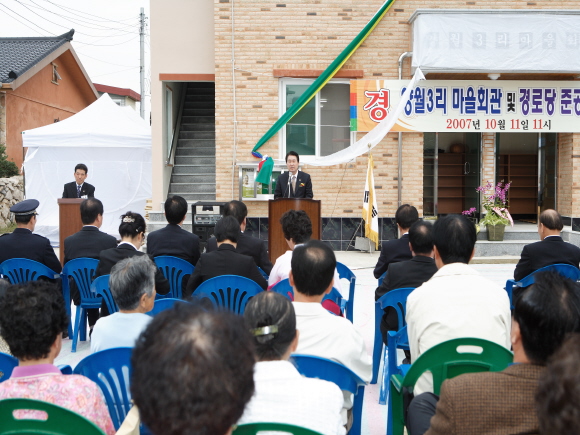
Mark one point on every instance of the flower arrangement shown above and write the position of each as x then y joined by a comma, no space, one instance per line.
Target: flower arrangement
495,204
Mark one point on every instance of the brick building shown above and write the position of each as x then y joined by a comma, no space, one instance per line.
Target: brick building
234,68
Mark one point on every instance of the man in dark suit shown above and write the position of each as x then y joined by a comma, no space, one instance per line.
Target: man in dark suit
550,250
503,402
246,245
224,261
88,243
22,243
78,188
409,273
397,250
293,183
174,240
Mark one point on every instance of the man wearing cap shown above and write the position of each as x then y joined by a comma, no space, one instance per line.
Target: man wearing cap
22,243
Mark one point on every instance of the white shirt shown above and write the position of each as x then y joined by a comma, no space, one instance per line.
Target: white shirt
456,302
282,268
118,330
282,395
333,337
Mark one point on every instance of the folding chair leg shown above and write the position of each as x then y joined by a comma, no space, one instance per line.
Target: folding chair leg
384,393
75,336
83,331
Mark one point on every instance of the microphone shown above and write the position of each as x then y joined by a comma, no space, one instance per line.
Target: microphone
288,186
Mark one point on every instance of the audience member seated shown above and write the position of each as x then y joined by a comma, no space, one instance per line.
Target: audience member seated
132,231
558,395
88,243
193,371
282,394
33,318
132,283
22,243
321,333
503,402
247,245
174,240
551,249
409,273
224,261
457,301
297,229
393,251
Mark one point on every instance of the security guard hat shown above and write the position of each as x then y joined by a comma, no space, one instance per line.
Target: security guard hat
25,208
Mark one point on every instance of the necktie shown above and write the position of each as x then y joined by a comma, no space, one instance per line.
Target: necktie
78,191
294,184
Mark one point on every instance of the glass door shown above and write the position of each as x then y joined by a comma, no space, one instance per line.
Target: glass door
472,171
547,165
429,174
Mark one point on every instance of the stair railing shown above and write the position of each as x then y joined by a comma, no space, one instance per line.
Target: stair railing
177,128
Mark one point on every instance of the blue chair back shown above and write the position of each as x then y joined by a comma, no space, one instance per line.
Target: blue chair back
345,273
566,270
322,368
263,273
82,271
284,288
164,304
111,370
173,269
19,270
396,299
382,278
101,287
230,292
7,364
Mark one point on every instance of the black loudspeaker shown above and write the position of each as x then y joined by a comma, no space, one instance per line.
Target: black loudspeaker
204,232
204,217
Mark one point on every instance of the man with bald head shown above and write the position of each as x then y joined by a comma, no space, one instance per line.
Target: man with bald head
551,249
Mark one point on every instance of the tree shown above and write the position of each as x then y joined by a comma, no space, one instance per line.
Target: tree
7,167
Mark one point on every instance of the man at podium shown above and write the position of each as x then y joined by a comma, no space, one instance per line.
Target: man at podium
78,188
293,183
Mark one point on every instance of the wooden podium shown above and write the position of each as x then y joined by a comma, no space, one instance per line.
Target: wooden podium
69,220
276,208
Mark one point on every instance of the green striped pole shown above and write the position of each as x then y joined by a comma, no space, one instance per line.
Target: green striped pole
328,73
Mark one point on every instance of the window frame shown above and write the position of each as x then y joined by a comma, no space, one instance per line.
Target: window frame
283,82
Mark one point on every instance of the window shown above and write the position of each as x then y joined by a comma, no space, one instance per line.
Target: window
169,116
322,127
55,75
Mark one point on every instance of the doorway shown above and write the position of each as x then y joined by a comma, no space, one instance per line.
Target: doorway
451,172
529,162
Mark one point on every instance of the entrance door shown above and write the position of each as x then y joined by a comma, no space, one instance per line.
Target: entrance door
472,170
547,171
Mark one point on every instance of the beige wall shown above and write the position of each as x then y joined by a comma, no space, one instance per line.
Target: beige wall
182,42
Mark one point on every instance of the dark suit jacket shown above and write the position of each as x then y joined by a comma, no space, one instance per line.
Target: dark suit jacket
409,273
88,242
109,257
496,403
551,250
22,243
392,251
175,241
303,186
251,246
70,190
224,261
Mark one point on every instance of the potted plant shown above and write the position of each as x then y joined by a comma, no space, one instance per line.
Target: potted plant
495,204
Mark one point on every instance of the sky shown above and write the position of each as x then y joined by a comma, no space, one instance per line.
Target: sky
106,35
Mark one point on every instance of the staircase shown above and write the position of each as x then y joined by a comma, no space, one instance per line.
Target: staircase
193,175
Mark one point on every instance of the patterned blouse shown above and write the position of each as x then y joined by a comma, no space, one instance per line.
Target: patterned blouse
45,382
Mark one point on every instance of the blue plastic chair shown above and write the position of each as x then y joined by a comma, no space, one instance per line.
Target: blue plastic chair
322,368
382,278
111,370
565,270
230,292
263,273
82,271
19,270
396,299
101,287
285,289
164,304
173,269
7,364
395,340
345,273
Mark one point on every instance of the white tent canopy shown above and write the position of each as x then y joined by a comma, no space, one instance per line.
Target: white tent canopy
115,144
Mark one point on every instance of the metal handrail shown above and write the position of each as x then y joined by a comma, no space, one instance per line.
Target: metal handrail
177,128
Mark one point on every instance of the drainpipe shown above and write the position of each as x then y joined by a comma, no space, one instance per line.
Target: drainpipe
400,150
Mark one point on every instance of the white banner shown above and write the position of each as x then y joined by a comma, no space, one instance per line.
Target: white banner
501,41
370,213
471,106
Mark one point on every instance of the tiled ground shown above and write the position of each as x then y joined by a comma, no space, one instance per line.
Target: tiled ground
362,264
